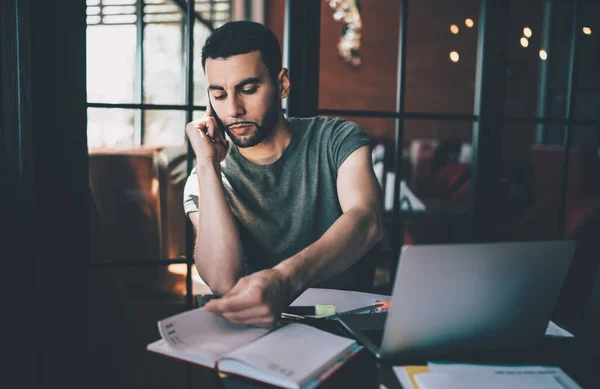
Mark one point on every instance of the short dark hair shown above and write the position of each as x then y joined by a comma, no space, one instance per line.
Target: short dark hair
241,37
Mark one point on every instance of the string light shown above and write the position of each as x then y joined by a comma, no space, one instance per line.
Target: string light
346,12
527,32
469,22
587,30
543,55
524,42
454,29
454,57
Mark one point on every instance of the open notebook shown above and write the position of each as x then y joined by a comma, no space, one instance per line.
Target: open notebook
290,356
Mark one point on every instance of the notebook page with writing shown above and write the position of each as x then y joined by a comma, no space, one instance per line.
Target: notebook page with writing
200,332
289,357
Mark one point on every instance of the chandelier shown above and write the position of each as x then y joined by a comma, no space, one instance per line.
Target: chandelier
348,12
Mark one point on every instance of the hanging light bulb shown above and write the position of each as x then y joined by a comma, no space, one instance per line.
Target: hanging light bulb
346,12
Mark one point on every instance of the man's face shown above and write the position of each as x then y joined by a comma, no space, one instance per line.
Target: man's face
245,100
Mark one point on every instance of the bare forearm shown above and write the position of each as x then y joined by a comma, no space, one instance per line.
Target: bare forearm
342,245
218,253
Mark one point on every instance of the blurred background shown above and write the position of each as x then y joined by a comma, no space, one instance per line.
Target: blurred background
485,112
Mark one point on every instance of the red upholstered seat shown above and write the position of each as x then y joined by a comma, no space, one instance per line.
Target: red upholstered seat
581,219
452,181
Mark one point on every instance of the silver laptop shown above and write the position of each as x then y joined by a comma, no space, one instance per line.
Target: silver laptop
466,297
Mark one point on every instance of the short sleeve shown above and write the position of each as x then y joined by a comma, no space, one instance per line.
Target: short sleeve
191,193
346,137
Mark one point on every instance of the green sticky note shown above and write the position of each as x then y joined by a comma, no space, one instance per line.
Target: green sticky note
324,310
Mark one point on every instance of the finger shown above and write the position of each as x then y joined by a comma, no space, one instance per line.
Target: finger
207,126
251,313
238,302
193,128
211,128
209,111
264,322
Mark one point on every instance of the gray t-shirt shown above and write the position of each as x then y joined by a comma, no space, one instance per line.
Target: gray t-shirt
287,205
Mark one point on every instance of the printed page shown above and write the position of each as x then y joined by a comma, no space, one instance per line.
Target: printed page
342,299
554,330
406,375
478,381
288,357
200,331
500,370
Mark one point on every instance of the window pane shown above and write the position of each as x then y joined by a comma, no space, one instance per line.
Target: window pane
517,142
527,35
372,86
164,128
118,2
588,62
538,74
111,127
533,172
118,10
586,136
434,83
441,55
201,32
164,63
111,63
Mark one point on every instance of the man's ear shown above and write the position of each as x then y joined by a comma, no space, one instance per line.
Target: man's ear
284,83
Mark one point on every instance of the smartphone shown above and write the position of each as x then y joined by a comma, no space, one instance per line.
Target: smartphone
219,122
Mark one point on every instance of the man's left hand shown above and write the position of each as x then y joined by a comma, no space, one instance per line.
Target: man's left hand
256,300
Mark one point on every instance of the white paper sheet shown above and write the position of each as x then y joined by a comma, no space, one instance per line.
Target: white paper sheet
203,332
342,299
556,331
287,357
475,381
493,371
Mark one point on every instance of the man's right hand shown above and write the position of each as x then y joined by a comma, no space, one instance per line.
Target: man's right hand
206,140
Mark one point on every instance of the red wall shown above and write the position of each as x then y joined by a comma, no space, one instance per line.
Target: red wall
433,82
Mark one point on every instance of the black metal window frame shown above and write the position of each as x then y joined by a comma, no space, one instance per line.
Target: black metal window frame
303,101
302,64
188,8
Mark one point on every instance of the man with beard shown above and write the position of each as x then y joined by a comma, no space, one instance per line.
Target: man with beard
292,204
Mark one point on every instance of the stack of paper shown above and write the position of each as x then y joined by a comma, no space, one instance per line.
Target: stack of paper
465,376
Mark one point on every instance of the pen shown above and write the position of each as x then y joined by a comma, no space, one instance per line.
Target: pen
357,310
311,310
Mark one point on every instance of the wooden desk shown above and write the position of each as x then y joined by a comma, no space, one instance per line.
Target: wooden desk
578,357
